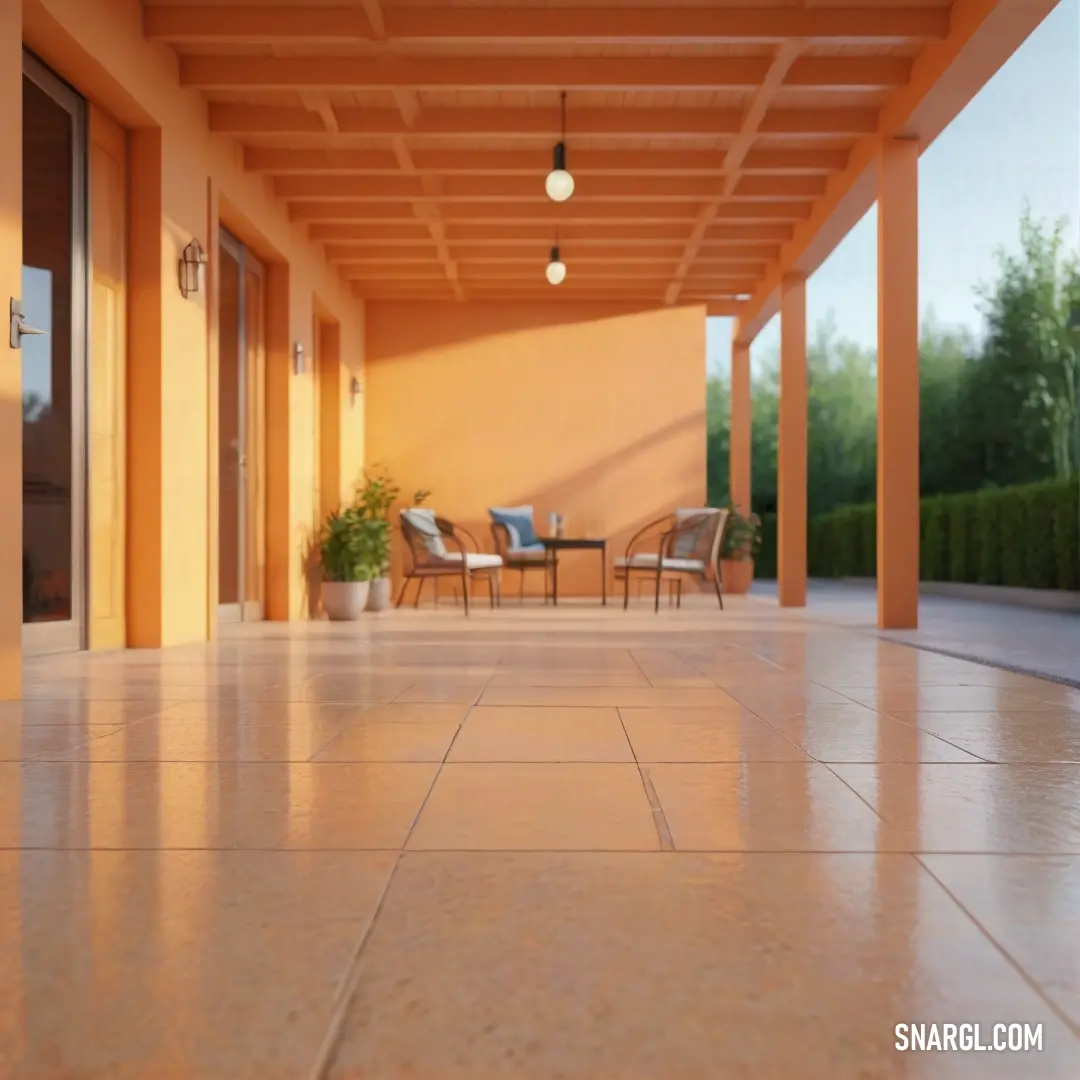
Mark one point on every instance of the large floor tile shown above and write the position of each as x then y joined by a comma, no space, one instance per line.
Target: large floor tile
527,807
611,697
19,743
1008,737
677,967
179,965
508,733
704,735
81,714
543,677
1029,905
419,740
875,737
220,739
762,806
216,805
1032,809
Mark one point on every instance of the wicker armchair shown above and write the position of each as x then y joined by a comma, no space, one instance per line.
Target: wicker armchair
686,543
521,559
436,548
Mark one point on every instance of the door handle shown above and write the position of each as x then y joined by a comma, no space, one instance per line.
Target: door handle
19,328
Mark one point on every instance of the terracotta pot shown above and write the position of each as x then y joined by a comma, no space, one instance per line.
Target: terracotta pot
379,595
736,575
343,601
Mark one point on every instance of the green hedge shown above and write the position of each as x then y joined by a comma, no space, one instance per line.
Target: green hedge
1026,536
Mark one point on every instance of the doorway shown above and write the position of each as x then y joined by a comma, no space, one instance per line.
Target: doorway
241,433
54,302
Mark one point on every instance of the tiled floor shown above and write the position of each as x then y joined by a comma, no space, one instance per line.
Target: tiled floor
579,844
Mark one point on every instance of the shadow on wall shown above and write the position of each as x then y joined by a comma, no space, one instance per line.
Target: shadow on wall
594,413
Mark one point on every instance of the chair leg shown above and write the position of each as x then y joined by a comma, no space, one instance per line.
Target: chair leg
435,582
659,579
465,592
491,590
626,589
678,593
419,590
719,594
521,586
401,595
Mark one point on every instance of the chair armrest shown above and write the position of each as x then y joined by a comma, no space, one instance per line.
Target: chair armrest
640,535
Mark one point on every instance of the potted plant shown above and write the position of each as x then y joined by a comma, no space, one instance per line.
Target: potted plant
740,544
352,550
375,498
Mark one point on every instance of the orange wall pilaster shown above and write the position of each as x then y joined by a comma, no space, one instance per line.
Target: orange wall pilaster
594,413
792,443
898,386
11,363
739,452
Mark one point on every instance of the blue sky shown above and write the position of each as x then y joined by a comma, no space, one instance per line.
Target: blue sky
1018,140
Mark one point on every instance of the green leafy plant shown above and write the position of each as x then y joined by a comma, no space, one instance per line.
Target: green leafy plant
742,536
353,547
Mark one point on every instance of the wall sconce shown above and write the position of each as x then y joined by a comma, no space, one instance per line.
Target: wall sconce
355,389
298,357
192,261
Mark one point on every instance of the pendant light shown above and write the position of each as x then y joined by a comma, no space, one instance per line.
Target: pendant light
555,271
560,184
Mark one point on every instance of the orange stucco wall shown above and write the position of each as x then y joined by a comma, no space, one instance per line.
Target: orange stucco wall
594,413
97,46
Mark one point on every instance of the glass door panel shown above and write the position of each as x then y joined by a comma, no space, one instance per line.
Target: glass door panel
53,362
230,434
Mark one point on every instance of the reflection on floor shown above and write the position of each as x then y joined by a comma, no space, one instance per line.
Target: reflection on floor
581,843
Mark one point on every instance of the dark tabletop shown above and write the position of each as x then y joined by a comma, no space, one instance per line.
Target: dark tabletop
555,543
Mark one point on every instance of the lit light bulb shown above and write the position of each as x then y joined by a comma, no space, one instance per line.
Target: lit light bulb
555,272
559,185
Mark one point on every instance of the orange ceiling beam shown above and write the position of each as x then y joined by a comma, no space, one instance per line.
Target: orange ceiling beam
544,124
531,188
525,73
945,77
493,25
660,162
546,211
413,233
741,255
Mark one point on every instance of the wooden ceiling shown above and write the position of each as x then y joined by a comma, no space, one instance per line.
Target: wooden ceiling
413,138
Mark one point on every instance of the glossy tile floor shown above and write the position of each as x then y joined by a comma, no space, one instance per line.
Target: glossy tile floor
580,844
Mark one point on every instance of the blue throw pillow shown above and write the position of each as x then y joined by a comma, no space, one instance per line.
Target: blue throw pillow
518,521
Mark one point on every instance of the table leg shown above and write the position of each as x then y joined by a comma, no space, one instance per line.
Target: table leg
555,578
603,575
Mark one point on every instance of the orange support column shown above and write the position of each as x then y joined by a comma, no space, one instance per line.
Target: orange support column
898,386
791,444
11,539
739,453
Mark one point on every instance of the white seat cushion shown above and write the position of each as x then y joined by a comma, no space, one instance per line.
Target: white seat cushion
476,560
647,561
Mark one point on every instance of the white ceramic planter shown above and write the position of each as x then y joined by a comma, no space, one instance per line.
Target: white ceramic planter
379,594
343,601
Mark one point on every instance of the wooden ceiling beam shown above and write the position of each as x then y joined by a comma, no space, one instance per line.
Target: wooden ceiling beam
411,233
627,213
530,188
787,56
288,161
183,24
585,249
529,73
542,124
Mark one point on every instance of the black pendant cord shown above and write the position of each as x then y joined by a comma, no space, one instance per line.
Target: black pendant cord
563,101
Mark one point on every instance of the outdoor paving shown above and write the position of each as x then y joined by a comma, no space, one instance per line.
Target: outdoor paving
536,844
1025,639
